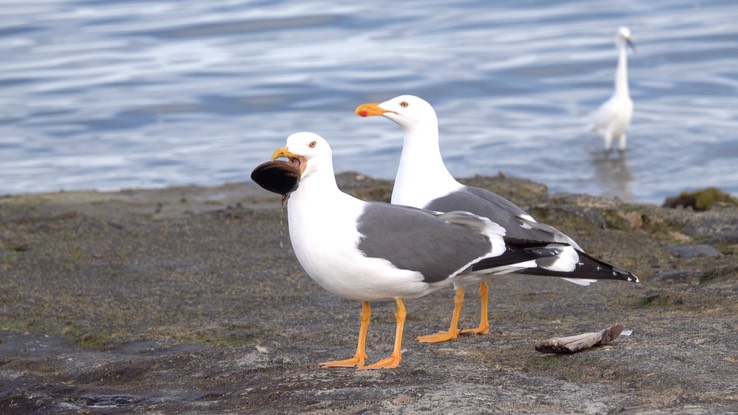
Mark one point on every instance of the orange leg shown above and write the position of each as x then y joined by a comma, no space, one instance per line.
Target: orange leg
453,330
360,356
483,319
396,356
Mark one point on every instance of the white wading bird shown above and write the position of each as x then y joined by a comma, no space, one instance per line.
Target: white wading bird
612,118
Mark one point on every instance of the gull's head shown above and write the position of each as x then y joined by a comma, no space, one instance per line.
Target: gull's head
406,110
624,36
307,151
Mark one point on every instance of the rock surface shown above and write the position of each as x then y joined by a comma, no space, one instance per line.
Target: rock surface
189,300
693,251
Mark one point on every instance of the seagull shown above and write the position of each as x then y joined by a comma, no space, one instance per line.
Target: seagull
422,181
372,251
612,118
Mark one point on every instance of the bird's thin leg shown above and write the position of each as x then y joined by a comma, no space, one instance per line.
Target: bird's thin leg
396,356
608,140
360,356
453,330
622,142
483,316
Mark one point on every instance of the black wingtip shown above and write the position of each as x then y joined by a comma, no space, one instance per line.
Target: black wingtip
624,275
588,268
519,251
617,274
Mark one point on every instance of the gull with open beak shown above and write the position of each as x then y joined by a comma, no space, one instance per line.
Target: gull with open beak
371,251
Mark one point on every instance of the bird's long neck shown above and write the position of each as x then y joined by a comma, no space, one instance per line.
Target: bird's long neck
621,73
421,170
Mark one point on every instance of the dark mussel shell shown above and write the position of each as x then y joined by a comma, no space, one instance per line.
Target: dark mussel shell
277,176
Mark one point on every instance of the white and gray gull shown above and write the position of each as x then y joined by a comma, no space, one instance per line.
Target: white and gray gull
371,251
423,181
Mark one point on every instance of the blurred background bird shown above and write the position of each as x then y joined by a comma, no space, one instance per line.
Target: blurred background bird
612,118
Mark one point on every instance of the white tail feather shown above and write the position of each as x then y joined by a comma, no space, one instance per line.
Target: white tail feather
566,260
579,281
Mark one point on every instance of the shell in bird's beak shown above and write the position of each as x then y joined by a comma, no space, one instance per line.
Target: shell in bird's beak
277,176
369,109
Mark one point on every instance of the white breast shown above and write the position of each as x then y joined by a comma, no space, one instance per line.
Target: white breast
325,240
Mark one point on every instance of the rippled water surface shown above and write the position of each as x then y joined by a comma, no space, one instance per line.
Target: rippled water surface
117,94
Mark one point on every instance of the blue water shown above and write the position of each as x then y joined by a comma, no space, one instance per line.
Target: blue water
108,95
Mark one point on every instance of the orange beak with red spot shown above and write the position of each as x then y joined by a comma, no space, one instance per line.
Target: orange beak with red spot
367,110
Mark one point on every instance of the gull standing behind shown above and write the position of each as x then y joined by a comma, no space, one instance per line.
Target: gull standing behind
423,181
612,118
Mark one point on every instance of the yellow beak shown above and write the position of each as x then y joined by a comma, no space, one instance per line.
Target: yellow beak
283,152
295,159
366,110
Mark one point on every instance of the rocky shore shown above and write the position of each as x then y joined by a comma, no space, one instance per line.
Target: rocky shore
190,300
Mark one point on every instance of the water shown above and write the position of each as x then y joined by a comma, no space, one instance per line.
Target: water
108,95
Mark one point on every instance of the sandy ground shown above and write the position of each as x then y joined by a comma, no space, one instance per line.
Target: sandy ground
189,300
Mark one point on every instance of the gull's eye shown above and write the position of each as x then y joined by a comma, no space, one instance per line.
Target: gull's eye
404,104
313,144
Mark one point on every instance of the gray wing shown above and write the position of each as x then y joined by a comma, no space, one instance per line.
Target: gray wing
418,240
501,211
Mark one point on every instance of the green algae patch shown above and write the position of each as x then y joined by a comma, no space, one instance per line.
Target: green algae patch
700,200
